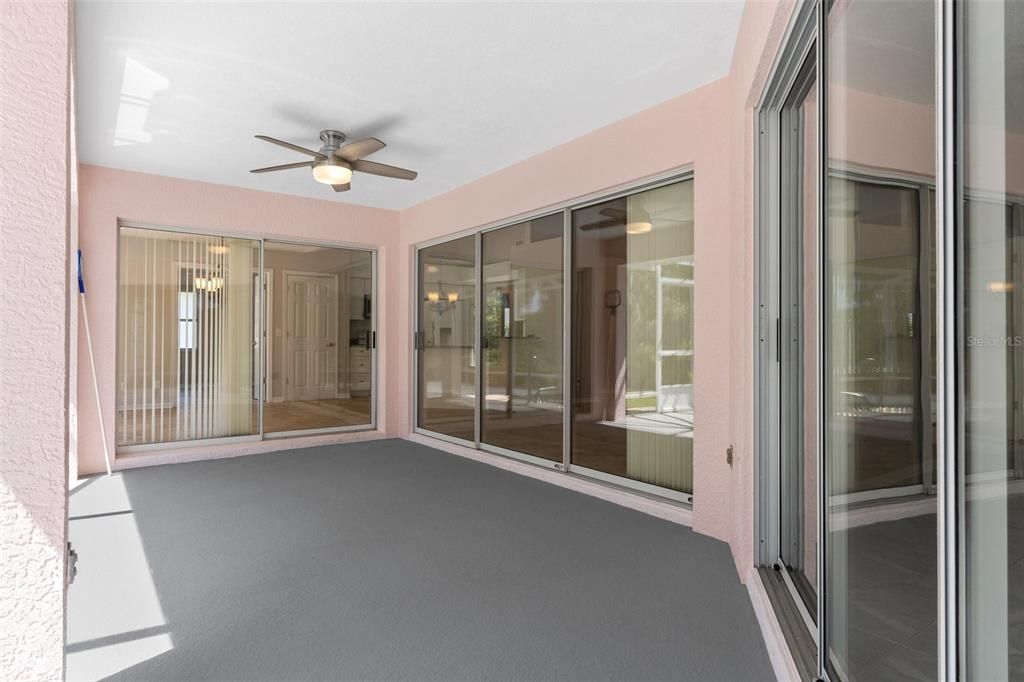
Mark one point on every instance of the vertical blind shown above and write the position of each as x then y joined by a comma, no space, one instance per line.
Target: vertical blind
186,330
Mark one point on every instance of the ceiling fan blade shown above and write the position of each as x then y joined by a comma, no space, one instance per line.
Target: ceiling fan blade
383,169
289,145
286,166
614,213
359,149
600,225
342,188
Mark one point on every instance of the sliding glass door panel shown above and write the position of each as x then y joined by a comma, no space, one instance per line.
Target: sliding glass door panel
185,341
797,386
446,339
522,337
632,337
991,300
320,337
880,538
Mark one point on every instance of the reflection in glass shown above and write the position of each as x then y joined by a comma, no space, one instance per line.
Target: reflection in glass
632,336
522,336
881,551
319,333
446,385
993,347
185,356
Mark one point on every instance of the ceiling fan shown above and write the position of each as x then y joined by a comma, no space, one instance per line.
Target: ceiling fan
617,217
334,163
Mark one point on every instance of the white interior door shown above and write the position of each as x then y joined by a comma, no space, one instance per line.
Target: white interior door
312,336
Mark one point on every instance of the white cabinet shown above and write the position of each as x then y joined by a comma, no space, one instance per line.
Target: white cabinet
359,369
359,289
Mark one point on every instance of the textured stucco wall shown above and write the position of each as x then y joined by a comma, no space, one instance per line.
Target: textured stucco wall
34,115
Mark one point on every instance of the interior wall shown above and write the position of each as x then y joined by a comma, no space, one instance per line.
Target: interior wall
35,175
108,195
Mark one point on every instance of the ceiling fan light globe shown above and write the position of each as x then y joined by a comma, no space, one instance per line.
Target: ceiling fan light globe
640,227
332,173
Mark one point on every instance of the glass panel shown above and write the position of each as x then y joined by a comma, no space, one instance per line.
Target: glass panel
632,336
185,339
882,599
522,332
798,400
319,329
993,320
446,385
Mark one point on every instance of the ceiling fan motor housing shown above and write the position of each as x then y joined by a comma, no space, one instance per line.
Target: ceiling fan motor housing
332,140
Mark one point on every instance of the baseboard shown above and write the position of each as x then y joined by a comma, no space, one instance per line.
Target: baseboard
134,460
637,501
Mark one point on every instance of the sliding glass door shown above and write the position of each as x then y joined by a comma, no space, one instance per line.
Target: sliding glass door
227,337
522,338
795,303
321,337
920,237
446,362
632,337
617,327
990,303
880,539
186,355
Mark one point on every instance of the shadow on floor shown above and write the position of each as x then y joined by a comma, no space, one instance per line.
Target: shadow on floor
391,560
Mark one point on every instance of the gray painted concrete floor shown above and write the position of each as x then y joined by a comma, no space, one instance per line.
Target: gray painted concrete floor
391,560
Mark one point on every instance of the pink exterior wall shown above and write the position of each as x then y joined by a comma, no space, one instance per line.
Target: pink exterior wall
108,195
34,349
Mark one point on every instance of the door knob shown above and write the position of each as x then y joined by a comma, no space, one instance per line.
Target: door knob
330,344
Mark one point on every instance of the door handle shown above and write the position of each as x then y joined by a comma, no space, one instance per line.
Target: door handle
330,344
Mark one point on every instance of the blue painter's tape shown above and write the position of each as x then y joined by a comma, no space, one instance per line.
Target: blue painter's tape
81,280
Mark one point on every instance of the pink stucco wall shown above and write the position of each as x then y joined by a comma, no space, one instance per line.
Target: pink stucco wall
34,244
108,195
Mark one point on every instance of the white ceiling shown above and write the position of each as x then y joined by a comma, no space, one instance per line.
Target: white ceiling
456,90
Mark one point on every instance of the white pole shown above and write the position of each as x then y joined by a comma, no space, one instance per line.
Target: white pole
95,384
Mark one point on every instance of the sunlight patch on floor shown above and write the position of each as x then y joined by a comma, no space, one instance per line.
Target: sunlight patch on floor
115,619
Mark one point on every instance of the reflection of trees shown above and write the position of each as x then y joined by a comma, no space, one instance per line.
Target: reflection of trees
642,325
641,294
534,332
